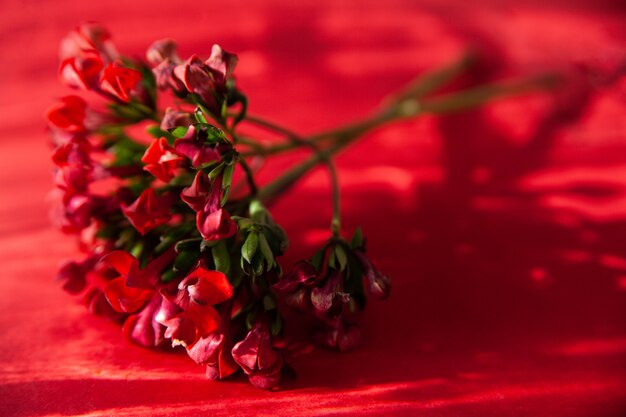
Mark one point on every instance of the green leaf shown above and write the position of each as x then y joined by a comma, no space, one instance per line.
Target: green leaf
221,257
277,325
357,238
199,115
266,250
250,246
215,172
185,261
168,275
331,259
269,303
192,244
342,257
179,132
318,258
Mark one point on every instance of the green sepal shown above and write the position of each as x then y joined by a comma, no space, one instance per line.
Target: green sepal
221,257
250,246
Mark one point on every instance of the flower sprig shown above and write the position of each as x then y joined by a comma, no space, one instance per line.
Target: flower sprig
179,244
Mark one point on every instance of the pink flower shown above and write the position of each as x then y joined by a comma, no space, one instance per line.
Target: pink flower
161,50
257,357
148,211
86,37
142,328
222,64
119,81
173,118
68,114
160,160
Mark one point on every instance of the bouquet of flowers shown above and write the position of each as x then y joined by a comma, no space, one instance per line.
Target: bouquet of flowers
158,185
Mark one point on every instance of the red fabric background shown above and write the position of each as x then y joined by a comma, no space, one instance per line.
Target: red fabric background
502,228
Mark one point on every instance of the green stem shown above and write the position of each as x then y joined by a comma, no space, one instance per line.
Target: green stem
335,224
406,109
249,176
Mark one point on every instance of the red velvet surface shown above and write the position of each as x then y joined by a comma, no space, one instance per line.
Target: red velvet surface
503,228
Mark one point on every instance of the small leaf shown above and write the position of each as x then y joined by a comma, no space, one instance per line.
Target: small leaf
199,115
318,258
185,261
187,245
168,275
221,257
342,257
179,132
277,325
357,238
269,303
266,250
250,246
331,259
215,172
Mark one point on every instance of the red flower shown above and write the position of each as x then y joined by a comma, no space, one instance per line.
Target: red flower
215,223
82,71
86,37
257,357
68,114
148,211
160,160
214,351
74,211
119,81
197,79
188,313
142,328
74,173
132,289
197,194
197,152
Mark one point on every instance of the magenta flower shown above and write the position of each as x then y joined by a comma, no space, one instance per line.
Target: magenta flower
161,50
214,351
379,285
148,211
160,160
198,152
88,37
174,118
197,194
74,166
257,357
214,222
339,336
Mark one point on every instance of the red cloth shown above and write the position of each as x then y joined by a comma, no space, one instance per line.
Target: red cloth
503,228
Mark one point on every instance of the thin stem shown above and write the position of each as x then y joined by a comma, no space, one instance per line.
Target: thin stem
249,176
335,224
405,109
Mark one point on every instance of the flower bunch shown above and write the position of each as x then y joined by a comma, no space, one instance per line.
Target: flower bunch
169,252
178,243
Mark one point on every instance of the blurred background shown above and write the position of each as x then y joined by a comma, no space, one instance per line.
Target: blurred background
503,227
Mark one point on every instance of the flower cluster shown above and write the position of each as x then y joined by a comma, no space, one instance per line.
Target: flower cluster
169,250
